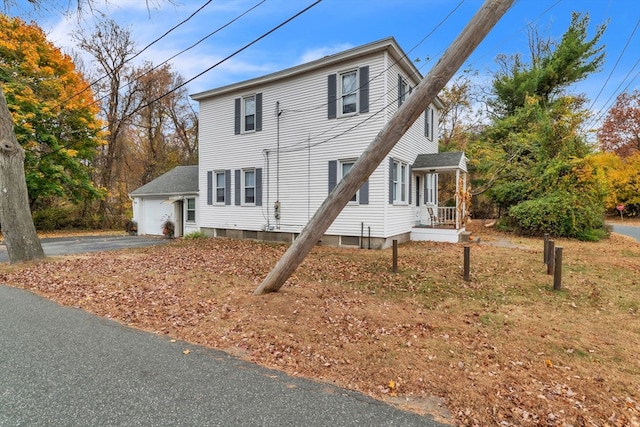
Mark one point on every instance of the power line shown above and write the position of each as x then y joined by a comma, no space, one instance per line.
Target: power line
615,65
217,30
137,54
254,41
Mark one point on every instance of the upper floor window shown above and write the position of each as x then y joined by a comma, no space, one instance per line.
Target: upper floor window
248,114
191,209
403,90
429,123
348,92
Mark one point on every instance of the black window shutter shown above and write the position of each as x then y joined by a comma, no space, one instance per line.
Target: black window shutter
238,185
332,93
399,90
390,180
364,194
236,116
209,188
333,174
258,112
364,89
410,183
227,187
258,186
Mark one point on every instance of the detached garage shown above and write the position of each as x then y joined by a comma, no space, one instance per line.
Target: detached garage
172,196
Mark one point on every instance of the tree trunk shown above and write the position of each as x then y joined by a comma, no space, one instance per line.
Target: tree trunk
423,95
15,216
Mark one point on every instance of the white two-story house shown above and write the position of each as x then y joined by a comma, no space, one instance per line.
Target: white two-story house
273,147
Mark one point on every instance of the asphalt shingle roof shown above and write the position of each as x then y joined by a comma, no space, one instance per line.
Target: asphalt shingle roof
452,160
179,180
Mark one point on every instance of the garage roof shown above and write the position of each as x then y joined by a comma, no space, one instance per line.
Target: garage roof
180,180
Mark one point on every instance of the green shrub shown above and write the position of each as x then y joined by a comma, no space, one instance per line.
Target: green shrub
560,214
195,235
49,219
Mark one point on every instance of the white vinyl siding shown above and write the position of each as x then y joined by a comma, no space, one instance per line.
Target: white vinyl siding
296,174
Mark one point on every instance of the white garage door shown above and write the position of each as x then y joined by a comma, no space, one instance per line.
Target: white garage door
154,213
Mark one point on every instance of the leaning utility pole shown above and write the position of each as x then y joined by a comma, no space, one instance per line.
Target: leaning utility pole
479,26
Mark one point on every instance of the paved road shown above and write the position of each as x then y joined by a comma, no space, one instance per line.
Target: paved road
627,230
82,244
62,366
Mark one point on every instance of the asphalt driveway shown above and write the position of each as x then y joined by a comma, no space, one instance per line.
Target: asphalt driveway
83,244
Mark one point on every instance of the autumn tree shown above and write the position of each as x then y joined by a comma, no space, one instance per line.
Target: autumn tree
620,131
164,129
51,119
111,47
532,154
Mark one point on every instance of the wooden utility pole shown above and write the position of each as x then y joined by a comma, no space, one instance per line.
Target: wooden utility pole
479,26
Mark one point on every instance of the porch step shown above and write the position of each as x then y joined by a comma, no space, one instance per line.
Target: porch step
465,237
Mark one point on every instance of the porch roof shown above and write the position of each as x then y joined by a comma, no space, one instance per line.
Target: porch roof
440,162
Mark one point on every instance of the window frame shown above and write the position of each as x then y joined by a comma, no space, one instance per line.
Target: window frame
243,200
400,187
403,91
429,116
217,189
355,200
243,113
189,209
355,93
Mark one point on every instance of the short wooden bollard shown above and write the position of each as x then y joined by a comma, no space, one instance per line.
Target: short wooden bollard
467,262
557,271
545,255
550,257
395,256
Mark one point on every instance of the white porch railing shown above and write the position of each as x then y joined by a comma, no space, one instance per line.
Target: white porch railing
437,217
446,216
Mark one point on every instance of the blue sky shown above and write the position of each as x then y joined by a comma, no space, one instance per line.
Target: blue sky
335,25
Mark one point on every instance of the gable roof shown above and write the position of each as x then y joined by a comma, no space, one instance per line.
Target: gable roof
180,180
389,44
441,161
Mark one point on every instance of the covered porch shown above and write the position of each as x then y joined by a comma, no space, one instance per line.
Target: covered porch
433,220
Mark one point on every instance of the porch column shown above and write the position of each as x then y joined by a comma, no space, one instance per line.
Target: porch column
457,199
464,198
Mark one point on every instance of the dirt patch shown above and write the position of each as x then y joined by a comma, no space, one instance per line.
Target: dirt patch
502,349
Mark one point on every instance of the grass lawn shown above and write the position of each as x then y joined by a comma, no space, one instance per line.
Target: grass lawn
501,349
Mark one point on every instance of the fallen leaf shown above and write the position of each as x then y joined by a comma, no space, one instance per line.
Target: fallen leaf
187,351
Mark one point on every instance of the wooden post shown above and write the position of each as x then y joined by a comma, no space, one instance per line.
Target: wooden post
467,262
423,94
557,271
545,255
550,257
395,256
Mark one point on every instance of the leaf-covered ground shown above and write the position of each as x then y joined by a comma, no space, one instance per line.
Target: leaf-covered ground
502,349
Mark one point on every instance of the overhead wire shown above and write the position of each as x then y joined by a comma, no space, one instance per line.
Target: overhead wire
246,46
90,85
217,30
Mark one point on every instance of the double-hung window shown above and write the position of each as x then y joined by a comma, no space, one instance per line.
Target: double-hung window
249,186
249,113
399,182
191,209
429,123
403,90
345,167
220,187
349,92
